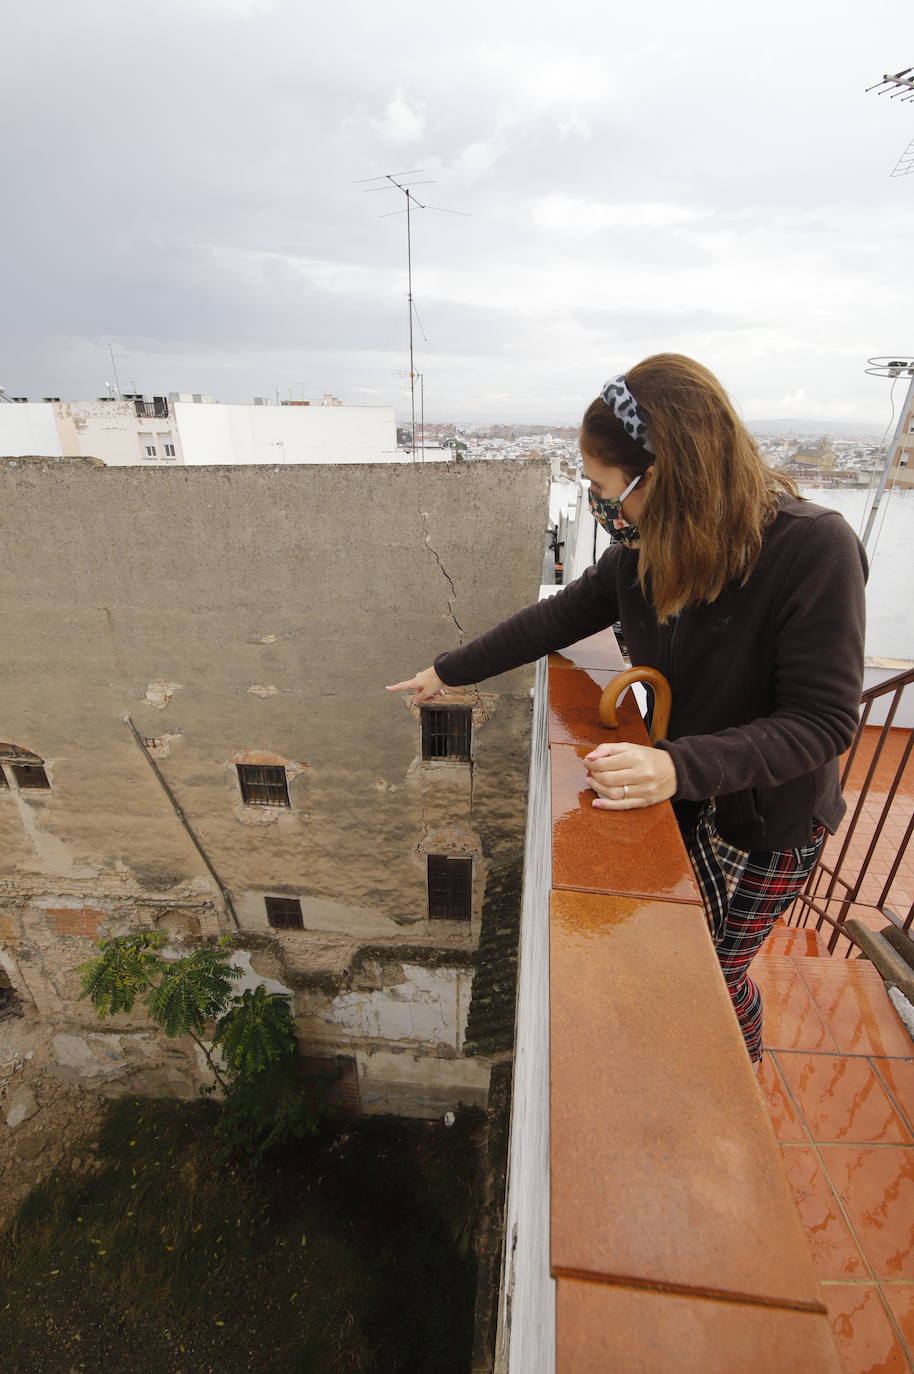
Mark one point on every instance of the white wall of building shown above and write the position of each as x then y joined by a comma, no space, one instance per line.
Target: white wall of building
290,434
29,430
112,431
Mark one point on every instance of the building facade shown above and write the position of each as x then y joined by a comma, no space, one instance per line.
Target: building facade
195,737
181,429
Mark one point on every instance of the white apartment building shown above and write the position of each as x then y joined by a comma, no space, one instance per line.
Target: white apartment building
133,431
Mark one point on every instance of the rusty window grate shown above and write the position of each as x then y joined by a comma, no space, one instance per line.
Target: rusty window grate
446,732
262,785
30,775
450,888
284,913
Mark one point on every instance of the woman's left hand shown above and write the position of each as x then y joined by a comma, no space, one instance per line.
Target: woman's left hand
626,776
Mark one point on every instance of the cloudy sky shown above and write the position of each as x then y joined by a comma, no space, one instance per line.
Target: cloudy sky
181,178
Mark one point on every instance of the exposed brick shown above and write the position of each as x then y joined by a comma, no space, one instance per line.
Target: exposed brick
76,920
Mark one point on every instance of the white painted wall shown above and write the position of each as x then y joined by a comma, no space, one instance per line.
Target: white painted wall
526,1318
430,1008
29,430
290,434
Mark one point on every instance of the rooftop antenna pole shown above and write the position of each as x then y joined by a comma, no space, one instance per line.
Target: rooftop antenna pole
387,180
409,295
117,385
890,367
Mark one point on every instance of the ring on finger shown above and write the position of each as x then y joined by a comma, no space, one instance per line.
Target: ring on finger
624,791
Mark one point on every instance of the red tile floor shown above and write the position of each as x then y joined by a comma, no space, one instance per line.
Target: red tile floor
838,1077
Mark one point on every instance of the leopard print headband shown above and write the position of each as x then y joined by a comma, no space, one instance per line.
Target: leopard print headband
625,408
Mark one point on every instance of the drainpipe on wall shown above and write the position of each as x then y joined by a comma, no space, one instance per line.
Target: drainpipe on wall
186,823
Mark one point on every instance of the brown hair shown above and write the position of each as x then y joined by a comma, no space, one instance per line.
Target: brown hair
710,496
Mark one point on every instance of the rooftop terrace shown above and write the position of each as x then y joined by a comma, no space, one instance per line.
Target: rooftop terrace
665,1209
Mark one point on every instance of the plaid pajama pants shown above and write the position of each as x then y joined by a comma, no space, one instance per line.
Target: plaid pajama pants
744,892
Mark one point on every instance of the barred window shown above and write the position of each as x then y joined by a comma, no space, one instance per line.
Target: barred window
262,785
284,913
450,888
30,775
446,732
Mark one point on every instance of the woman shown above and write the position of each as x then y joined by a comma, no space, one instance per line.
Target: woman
750,600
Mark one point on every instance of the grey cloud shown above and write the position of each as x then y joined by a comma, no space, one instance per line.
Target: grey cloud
143,138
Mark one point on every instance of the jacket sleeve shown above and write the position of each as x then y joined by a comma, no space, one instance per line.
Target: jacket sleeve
817,674
582,608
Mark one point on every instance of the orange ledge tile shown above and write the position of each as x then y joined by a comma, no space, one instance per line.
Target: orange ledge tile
638,852
604,1328
574,705
664,1165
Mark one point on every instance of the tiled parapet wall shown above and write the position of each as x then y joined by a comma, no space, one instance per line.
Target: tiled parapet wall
675,1243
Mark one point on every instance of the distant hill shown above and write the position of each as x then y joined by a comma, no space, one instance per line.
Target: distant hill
847,429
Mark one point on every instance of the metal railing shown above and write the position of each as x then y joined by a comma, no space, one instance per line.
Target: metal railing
156,409
834,890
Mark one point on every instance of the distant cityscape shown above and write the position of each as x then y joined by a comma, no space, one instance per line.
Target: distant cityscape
848,460
190,428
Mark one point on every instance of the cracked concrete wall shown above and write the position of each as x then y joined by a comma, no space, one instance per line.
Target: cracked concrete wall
251,614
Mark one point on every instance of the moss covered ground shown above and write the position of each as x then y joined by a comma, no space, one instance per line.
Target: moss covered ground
348,1251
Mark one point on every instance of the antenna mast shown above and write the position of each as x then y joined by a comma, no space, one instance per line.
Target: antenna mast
389,179
891,367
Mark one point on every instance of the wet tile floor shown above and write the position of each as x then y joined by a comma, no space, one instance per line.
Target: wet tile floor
838,1078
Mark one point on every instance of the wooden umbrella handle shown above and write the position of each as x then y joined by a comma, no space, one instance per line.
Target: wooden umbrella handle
663,699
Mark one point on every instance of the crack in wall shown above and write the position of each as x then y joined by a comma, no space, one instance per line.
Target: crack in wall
452,599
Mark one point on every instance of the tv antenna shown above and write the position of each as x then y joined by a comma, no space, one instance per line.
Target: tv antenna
894,368
386,182
899,87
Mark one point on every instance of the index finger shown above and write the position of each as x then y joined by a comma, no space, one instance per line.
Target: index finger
409,686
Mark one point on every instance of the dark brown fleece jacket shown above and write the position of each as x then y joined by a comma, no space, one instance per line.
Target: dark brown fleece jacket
766,680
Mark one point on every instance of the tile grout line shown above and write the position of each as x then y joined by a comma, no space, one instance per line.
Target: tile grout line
821,1163
906,1118
812,1003
868,981
872,1280
893,1321
790,1098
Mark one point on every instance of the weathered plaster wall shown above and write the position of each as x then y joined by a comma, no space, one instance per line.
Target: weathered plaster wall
252,614
110,430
